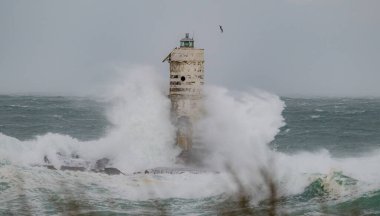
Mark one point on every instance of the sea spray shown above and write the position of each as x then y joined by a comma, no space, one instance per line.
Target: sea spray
236,130
299,170
306,179
142,135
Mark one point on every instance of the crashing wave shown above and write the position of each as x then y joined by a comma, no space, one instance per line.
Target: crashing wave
333,184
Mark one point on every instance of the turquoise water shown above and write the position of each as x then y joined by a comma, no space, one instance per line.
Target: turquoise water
344,126
348,129
24,117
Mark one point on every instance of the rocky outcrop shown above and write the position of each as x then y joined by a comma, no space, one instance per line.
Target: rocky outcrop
102,165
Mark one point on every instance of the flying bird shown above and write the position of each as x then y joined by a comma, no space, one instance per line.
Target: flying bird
221,29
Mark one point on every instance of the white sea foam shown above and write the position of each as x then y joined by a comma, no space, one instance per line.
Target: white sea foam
315,116
235,132
19,106
142,136
295,171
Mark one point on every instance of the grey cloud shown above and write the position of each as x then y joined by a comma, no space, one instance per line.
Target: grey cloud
293,47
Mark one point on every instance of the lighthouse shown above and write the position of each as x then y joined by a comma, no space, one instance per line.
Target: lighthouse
185,93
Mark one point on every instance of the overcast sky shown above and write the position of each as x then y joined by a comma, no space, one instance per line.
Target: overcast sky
289,47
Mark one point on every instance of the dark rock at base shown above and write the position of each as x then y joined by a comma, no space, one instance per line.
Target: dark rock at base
109,171
176,170
72,168
51,167
112,171
100,165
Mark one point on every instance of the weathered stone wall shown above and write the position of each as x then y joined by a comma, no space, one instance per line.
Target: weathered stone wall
186,82
187,54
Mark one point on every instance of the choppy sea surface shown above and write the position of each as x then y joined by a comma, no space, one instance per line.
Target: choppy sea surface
326,153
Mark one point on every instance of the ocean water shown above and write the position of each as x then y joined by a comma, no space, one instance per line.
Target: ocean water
315,156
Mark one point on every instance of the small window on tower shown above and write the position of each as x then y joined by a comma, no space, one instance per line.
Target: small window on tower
183,78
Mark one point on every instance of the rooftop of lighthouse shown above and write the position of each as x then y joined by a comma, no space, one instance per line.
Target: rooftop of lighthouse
187,41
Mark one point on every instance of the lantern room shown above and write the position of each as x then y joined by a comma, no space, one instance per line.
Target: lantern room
187,41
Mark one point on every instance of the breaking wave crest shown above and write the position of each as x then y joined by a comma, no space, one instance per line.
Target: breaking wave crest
234,135
142,135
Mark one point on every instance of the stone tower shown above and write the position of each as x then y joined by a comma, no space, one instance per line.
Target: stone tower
186,82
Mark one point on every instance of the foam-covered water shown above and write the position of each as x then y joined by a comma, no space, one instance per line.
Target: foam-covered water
321,154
